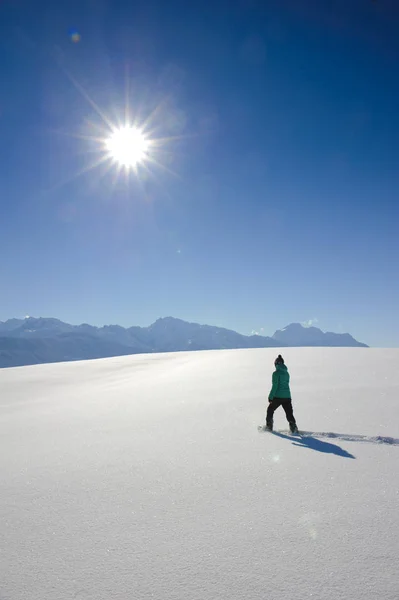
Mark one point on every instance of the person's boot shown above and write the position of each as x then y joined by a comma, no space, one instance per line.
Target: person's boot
293,427
269,425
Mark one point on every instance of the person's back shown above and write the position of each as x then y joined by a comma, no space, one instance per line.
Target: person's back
281,383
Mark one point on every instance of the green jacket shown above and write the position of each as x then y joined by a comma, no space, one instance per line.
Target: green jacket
280,383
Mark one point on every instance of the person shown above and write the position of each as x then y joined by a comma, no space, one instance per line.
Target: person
280,395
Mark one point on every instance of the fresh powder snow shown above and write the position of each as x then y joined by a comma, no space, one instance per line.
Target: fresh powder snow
146,477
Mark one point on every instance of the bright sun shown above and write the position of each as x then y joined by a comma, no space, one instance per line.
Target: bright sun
127,146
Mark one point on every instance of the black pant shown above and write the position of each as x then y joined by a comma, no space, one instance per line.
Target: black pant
274,404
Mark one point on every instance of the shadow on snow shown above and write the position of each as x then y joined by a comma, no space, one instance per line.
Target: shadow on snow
308,441
311,439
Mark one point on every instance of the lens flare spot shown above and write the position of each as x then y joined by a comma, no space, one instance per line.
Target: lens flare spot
75,36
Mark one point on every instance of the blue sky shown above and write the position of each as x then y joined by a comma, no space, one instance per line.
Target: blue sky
275,196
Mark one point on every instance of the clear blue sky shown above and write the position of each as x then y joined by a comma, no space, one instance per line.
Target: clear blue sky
276,198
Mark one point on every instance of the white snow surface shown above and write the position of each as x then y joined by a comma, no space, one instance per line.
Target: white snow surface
146,477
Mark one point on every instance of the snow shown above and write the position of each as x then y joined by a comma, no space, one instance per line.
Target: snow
146,477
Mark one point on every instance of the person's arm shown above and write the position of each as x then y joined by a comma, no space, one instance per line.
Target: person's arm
275,380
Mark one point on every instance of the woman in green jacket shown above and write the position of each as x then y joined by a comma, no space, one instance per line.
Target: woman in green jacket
280,395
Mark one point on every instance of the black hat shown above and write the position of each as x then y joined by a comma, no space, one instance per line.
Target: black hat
279,360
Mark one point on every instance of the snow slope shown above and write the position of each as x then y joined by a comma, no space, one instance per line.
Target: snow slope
146,477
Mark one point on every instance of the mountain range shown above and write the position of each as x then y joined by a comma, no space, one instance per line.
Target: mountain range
42,340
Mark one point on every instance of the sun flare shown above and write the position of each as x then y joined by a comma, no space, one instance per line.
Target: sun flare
127,146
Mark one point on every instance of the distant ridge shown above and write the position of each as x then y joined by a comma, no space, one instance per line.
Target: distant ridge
297,335
42,340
